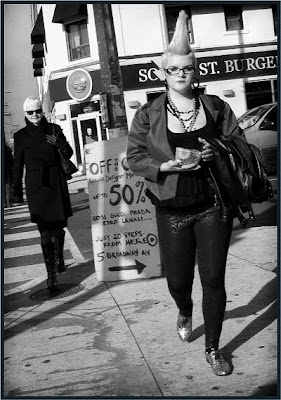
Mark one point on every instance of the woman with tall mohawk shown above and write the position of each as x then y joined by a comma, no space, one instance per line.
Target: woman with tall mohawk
189,214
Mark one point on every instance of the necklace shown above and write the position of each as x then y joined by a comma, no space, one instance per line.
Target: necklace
191,119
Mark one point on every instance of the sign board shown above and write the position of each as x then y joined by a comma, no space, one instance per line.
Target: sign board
211,69
123,222
79,84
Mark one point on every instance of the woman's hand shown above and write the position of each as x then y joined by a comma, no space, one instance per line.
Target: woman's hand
51,139
207,151
175,166
54,140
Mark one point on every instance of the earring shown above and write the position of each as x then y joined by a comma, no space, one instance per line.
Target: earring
166,84
197,81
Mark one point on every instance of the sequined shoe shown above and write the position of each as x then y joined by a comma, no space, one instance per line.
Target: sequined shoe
219,365
184,327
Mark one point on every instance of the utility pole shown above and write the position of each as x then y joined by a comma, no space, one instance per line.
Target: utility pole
110,70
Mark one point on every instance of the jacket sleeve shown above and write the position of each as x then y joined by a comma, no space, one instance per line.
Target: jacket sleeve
62,143
229,125
18,169
138,157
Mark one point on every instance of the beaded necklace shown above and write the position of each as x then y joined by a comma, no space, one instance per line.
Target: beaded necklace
194,112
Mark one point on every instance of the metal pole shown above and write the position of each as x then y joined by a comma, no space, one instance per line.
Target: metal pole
110,70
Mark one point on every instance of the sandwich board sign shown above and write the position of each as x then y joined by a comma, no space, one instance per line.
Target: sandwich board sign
123,221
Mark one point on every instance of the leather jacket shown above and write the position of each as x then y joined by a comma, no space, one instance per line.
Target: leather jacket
148,146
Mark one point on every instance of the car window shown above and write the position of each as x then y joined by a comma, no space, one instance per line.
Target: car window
251,117
270,121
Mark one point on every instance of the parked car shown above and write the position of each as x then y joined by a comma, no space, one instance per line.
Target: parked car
260,127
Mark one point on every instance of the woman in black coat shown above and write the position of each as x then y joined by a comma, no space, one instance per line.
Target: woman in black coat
37,148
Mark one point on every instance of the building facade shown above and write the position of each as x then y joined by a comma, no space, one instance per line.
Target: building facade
235,45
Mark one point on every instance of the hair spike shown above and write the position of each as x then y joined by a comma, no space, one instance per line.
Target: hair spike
179,44
180,40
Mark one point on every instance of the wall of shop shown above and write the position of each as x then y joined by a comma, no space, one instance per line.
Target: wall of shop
258,26
57,55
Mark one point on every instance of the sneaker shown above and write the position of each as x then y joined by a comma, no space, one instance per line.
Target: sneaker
184,327
218,363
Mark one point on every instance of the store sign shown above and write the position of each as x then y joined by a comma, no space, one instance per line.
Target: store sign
237,66
123,222
231,66
142,76
79,84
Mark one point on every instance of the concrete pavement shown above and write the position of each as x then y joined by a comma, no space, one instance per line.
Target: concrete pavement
99,339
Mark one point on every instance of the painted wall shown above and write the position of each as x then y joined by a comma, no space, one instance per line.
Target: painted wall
210,29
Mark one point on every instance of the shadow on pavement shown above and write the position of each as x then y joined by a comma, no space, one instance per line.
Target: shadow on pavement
23,300
74,275
265,297
268,390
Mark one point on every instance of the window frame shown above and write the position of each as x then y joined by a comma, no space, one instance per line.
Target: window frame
83,20
177,9
230,19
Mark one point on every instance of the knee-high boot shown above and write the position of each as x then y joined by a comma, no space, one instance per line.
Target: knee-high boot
58,238
49,257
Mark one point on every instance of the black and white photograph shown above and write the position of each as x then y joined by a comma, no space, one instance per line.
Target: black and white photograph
140,204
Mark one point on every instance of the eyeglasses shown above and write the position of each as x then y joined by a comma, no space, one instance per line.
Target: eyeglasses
173,71
38,111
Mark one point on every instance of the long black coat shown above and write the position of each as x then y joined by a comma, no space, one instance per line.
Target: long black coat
46,186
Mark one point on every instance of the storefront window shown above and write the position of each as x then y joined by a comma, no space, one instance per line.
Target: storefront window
233,17
172,13
258,93
78,40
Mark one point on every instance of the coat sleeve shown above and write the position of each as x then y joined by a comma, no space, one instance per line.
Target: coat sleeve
138,157
18,168
62,143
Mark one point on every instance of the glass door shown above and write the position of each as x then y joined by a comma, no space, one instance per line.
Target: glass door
89,130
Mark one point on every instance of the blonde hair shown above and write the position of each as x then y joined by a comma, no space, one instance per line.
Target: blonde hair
31,101
179,44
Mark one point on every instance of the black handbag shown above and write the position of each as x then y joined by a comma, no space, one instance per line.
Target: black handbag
67,166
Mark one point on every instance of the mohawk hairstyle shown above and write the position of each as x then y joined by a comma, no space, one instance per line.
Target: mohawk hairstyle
180,41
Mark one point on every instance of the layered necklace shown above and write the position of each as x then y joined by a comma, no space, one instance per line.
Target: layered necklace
189,121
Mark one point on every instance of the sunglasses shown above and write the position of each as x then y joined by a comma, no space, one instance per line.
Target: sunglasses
38,111
173,71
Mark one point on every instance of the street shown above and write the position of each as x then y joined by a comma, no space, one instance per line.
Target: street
102,339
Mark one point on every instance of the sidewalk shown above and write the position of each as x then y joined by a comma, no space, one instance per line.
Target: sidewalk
119,338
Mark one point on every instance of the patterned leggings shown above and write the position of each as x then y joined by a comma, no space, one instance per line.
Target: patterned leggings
180,236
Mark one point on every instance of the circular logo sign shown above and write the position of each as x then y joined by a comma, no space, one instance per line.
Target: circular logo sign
79,84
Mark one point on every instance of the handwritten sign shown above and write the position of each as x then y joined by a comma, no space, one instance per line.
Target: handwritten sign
123,222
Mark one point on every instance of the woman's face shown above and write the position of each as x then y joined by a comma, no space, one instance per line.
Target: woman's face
179,80
34,113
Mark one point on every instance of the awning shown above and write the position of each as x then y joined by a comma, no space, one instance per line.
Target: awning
38,50
38,63
67,12
38,31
